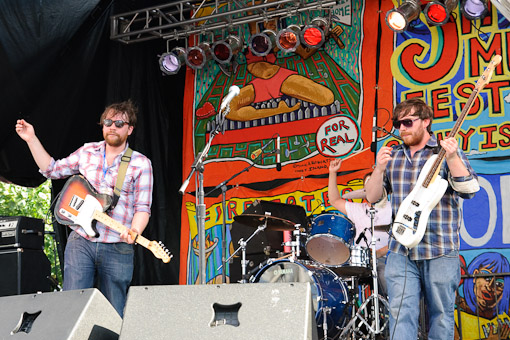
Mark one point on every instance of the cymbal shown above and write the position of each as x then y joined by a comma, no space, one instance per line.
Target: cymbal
273,223
356,194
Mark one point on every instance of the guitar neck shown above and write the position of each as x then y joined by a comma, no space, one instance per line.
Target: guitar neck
434,170
119,227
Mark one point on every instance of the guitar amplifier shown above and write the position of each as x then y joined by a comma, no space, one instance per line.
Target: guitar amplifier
21,232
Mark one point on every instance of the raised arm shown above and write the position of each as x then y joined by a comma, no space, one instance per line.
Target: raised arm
27,133
374,185
333,192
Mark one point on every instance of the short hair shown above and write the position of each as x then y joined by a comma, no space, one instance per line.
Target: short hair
421,110
499,264
126,107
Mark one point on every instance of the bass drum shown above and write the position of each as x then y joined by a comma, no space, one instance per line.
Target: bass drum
328,290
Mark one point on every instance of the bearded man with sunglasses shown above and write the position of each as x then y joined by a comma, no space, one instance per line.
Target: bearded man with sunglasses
432,268
105,261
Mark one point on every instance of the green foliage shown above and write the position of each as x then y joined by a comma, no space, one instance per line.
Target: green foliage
33,202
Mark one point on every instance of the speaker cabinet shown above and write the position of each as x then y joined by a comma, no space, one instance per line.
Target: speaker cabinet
67,315
24,271
228,311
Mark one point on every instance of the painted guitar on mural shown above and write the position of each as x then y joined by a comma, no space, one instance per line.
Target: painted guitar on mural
79,204
411,220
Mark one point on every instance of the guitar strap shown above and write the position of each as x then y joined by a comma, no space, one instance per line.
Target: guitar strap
124,161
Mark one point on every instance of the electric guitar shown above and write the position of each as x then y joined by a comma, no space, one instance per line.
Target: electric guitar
411,220
79,204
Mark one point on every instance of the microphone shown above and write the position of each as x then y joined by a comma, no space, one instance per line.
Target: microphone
361,237
232,92
258,151
278,153
376,128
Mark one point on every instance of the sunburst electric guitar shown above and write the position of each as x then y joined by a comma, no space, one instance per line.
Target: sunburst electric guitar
411,220
79,204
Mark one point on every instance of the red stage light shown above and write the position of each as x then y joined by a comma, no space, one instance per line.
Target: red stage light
288,39
312,36
197,56
437,13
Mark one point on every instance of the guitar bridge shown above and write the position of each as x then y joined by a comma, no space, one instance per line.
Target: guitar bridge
401,229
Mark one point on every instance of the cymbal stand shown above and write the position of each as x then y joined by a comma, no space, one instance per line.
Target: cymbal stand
375,297
242,247
223,186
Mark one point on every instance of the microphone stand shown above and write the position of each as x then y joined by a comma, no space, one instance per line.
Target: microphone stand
198,167
223,186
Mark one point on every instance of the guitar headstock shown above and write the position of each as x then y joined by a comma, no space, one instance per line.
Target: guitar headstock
487,74
160,251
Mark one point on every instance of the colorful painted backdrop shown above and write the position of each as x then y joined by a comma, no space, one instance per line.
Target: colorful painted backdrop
350,83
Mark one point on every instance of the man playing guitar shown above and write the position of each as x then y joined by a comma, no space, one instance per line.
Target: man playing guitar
430,268
108,258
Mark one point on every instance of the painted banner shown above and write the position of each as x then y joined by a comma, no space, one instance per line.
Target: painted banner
302,109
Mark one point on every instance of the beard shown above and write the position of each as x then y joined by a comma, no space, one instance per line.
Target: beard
413,138
114,139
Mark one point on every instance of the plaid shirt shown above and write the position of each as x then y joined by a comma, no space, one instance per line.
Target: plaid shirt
442,233
136,195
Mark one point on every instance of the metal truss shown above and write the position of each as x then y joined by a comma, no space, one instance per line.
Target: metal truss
184,18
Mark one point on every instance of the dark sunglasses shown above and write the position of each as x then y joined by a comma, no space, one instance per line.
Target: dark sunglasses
118,123
406,122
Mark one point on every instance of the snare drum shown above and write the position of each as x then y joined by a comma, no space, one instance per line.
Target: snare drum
328,290
358,264
330,239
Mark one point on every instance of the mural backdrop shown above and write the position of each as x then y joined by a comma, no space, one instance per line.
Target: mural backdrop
322,104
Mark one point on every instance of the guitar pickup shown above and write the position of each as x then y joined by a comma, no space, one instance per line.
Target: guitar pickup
416,204
408,218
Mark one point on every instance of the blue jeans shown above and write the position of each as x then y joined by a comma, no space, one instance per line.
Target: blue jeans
436,280
109,265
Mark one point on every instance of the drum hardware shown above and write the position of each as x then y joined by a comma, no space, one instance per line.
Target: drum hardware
295,245
242,247
374,311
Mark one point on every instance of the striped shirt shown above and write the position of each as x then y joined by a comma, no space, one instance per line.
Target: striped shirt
442,233
90,161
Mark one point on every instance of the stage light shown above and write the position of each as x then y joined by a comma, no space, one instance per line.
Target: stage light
198,56
474,9
438,12
223,51
314,35
261,44
171,62
398,19
288,38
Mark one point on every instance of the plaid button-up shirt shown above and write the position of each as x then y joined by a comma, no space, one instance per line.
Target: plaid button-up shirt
89,161
442,233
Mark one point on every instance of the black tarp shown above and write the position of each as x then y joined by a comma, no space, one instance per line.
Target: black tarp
58,70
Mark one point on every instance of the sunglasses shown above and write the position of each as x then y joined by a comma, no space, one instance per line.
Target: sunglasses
118,123
406,122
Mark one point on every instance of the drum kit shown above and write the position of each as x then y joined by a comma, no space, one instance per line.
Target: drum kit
346,304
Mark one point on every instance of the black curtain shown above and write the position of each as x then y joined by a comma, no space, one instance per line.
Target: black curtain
59,70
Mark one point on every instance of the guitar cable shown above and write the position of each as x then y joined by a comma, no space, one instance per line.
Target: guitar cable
402,298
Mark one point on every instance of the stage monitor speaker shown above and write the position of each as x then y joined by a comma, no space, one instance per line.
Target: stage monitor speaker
66,315
24,271
227,311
